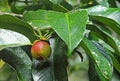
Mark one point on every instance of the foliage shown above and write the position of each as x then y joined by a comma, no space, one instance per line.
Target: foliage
78,27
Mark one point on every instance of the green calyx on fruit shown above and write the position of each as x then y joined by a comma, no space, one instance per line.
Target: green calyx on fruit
41,50
45,37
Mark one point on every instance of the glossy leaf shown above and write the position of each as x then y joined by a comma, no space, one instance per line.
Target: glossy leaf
109,54
53,69
108,16
19,60
103,2
116,63
12,23
42,71
101,11
60,66
12,39
102,65
118,4
69,26
93,76
113,42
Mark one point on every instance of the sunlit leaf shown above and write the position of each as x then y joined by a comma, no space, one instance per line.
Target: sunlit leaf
69,26
12,39
107,16
101,11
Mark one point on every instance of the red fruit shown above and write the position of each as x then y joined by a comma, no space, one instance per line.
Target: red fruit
41,50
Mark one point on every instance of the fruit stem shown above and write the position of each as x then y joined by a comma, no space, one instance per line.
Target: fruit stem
49,35
46,36
36,34
40,33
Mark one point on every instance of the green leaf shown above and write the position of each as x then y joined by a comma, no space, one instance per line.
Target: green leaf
110,40
101,11
102,65
66,5
109,54
62,3
85,1
60,66
103,52
118,4
53,69
17,7
69,26
12,39
48,5
56,1
19,60
106,16
113,42
12,23
37,19
112,3
103,2
93,76
116,63
7,73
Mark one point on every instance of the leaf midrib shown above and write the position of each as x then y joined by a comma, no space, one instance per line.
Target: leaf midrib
68,24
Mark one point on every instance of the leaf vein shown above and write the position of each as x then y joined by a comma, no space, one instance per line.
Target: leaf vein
68,24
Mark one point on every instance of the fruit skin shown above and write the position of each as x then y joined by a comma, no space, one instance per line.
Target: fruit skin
41,50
